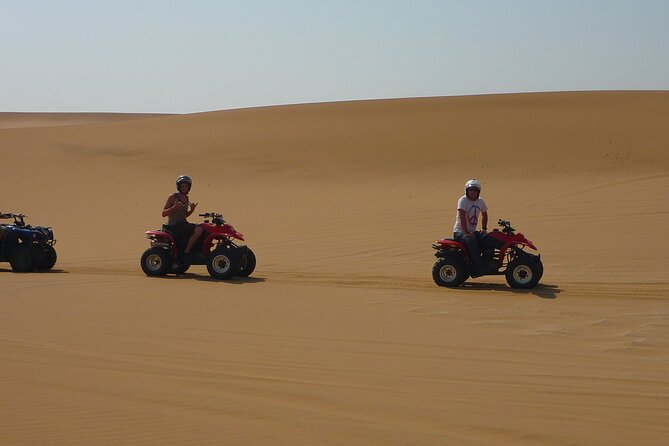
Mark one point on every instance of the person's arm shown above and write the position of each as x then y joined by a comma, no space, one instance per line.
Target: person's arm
463,221
192,209
171,205
484,222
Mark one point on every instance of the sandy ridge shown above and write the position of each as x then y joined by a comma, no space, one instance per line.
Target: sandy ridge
340,336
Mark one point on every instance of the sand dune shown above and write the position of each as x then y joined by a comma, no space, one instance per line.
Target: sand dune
32,120
340,336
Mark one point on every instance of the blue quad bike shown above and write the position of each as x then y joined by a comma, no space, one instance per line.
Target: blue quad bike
26,248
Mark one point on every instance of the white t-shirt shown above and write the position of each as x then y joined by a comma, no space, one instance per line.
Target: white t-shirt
472,210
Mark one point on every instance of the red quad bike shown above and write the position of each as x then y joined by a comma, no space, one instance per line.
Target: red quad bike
215,248
502,252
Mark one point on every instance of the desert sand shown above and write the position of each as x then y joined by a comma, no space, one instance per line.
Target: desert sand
340,336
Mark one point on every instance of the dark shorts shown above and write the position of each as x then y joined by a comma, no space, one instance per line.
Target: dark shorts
182,230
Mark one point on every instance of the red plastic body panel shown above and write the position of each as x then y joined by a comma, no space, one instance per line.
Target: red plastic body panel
226,230
214,232
509,240
515,239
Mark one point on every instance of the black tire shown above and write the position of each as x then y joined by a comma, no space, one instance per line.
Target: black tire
524,272
248,263
222,263
449,271
180,268
22,258
46,258
156,262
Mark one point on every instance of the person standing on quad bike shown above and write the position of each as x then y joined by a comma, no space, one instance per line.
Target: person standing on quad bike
470,206
177,210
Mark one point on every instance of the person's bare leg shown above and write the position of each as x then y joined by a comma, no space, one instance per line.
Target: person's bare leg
193,238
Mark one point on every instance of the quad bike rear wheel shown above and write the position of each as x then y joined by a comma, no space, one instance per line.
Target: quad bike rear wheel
156,262
222,263
524,272
449,271
22,258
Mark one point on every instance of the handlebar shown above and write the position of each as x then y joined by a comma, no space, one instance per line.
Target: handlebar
506,226
211,215
217,219
18,218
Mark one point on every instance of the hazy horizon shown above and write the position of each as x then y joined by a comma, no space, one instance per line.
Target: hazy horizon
146,57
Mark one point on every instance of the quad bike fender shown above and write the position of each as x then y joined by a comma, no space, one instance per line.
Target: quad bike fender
520,239
517,252
233,232
507,240
25,234
521,253
162,239
226,230
159,236
448,246
447,243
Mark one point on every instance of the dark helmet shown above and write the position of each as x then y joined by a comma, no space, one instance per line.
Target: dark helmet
184,179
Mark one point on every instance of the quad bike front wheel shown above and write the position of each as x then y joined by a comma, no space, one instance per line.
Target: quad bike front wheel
22,258
449,271
156,262
222,264
524,272
248,263
46,258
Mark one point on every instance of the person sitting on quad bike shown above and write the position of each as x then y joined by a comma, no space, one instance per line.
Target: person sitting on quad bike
177,210
469,207
2,230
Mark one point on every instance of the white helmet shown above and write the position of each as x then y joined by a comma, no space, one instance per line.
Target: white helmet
184,179
473,184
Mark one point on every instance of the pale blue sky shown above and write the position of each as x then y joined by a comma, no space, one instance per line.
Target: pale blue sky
190,56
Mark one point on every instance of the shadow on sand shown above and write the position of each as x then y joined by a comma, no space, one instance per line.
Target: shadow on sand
201,278
50,271
542,290
234,280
